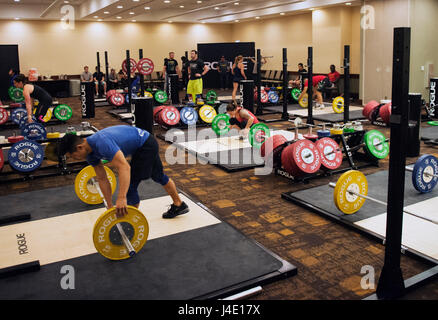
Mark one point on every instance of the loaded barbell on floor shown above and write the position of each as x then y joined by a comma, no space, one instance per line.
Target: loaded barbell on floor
351,191
258,133
119,238
297,157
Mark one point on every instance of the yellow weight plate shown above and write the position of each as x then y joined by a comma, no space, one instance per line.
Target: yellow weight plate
53,135
147,94
338,105
351,180
86,191
336,131
304,101
207,113
107,239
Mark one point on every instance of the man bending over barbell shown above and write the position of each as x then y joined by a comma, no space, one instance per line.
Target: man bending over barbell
240,118
320,83
114,144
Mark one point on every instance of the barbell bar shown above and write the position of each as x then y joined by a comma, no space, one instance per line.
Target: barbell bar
351,189
333,185
125,239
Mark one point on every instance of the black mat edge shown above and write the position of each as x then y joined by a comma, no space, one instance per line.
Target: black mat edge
287,270
350,225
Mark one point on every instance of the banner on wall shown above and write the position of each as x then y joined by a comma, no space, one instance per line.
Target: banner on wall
211,53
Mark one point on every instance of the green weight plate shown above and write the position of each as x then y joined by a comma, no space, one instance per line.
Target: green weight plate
376,145
258,134
221,124
16,95
433,123
160,96
295,93
211,96
63,112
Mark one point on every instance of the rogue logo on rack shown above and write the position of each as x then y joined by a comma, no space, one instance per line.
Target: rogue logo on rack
432,96
83,101
213,65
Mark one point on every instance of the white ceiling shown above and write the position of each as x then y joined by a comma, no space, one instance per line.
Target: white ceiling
209,11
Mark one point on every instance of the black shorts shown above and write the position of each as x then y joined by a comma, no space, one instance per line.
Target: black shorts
241,125
146,162
42,108
323,85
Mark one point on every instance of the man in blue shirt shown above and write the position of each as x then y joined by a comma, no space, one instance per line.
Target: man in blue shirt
114,144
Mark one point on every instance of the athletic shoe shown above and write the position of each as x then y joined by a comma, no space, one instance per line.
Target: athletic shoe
319,107
176,211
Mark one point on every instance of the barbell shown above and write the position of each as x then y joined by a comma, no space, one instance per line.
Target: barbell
351,189
266,57
119,238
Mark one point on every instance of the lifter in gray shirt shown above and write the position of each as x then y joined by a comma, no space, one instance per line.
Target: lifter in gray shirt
112,78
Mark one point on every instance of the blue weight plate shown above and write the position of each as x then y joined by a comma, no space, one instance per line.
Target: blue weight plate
26,156
189,116
273,97
23,121
422,179
34,131
323,133
17,114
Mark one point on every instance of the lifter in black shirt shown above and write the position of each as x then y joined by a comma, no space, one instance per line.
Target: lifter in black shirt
31,92
197,69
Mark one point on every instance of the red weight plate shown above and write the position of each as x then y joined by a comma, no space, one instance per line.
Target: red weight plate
287,160
310,136
385,112
110,93
4,116
271,144
133,65
117,99
264,97
157,112
306,157
14,139
158,109
369,107
2,160
169,116
145,66
331,155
